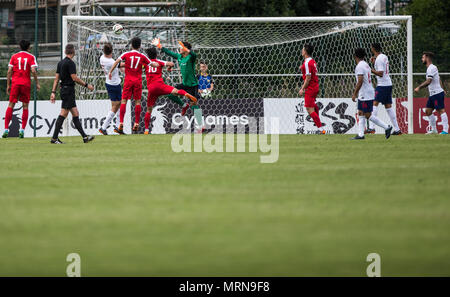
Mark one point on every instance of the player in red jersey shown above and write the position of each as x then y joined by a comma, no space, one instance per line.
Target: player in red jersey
19,68
157,87
132,87
310,85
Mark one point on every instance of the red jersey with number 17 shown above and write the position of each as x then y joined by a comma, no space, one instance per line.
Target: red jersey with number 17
309,67
154,74
21,64
134,61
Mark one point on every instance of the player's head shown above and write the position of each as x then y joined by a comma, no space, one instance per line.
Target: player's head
70,50
136,43
107,49
307,50
152,53
359,54
183,45
375,48
24,45
203,66
427,58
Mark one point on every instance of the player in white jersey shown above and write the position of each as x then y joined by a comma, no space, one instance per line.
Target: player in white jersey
365,93
437,94
383,91
113,86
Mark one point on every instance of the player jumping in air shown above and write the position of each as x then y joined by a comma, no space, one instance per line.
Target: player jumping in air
310,86
365,94
19,68
132,87
437,94
113,86
157,87
383,92
186,58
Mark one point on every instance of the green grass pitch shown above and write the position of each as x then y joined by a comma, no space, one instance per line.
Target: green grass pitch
130,206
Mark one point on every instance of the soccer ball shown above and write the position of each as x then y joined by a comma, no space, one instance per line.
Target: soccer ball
117,29
206,93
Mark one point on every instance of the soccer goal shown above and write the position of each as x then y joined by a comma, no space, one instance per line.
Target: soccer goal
255,62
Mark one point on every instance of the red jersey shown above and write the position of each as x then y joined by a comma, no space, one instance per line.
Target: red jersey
154,74
309,67
21,64
134,61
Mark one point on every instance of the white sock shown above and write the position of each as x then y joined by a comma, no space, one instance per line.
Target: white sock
361,126
391,113
375,113
378,122
108,120
444,122
432,120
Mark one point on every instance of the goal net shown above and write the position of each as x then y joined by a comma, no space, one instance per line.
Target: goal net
254,63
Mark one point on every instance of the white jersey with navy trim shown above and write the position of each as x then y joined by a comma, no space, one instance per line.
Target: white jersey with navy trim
107,64
382,64
435,86
366,92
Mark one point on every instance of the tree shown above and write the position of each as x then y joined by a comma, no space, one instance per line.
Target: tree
272,8
431,31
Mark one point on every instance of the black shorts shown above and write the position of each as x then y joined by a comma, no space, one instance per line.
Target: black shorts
68,97
436,101
191,90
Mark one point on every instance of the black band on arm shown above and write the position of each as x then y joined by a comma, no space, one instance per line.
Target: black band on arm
86,85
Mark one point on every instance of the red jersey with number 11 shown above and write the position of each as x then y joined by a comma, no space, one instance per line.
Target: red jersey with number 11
309,67
21,64
134,61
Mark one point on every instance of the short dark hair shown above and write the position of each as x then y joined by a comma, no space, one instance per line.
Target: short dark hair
377,47
107,49
24,45
309,49
429,54
136,42
152,53
203,62
70,49
187,45
360,53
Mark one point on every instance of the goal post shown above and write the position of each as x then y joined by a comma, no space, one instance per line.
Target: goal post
257,58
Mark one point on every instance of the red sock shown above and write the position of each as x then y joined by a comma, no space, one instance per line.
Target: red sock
182,92
147,119
123,109
24,118
316,119
137,113
316,109
8,117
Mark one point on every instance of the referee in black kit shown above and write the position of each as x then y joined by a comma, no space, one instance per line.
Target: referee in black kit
67,73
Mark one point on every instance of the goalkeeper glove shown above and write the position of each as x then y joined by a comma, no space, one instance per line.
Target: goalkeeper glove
156,43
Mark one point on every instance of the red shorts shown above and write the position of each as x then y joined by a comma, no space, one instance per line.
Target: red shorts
155,90
310,98
132,89
19,92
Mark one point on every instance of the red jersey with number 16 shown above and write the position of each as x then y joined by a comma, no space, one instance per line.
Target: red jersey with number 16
154,74
134,61
21,64
309,67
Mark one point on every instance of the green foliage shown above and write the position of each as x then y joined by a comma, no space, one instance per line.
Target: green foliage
431,31
269,8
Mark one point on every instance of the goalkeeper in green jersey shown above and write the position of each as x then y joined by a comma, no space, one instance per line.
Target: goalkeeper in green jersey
186,59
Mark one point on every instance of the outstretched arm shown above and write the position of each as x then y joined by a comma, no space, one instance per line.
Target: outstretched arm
113,67
423,85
